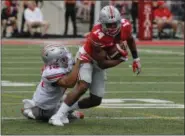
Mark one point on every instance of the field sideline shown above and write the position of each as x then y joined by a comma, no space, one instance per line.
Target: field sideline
151,103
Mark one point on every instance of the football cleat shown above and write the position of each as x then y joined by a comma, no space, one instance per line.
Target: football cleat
64,118
76,115
56,121
59,120
28,113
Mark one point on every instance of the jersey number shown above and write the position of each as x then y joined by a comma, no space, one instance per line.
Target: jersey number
100,34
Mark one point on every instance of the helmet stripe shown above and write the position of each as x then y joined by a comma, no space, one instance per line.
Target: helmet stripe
111,11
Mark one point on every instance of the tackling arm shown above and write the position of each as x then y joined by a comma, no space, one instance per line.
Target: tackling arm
69,81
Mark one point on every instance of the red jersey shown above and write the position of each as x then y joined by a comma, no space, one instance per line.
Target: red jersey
162,13
99,38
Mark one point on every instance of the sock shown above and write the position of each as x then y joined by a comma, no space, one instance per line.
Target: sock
74,106
64,108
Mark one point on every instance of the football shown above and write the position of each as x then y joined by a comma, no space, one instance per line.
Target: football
113,52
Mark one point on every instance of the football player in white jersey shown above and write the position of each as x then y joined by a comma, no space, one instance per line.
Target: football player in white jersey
58,74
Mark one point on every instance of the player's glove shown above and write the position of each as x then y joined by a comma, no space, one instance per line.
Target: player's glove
136,66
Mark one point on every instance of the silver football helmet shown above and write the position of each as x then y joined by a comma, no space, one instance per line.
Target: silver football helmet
54,54
110,19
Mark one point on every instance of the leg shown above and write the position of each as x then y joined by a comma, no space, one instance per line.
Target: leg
41,114
85,78
66,20
9,28
91,17
97,89
182,29
73,18
174,26
22,23
30,28
13,21
3,28
133,14
89,102
45,26
32,111
160,25
79,11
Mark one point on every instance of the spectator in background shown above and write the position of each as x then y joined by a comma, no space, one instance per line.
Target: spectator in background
24,3
122,6
39,3
164,18
177,8
70,11
154,7
134,14
83,10
9,18
34,18
92,14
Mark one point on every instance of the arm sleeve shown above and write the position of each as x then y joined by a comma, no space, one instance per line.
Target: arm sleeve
126,30
52,75
95,41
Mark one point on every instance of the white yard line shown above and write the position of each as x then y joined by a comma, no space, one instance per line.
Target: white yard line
26,84
115,68
112,118
150,51
40,62
38,57
153,51
109,75
112,92
114,82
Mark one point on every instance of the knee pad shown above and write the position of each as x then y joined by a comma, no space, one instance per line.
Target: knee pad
96,101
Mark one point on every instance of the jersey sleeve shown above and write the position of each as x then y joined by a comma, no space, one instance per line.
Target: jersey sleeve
96,35
94,39
51,75
126,29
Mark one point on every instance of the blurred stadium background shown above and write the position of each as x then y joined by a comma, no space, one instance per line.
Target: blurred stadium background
149,104
85,14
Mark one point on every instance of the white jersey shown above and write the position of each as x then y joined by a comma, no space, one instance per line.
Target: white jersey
47,95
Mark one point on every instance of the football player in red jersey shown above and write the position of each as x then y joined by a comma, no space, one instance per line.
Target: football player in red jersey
109,32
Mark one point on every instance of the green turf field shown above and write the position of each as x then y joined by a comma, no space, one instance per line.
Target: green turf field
151,103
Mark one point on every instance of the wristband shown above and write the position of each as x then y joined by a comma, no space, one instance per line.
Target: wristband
134,54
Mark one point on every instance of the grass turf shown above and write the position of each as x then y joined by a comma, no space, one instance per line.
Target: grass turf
162,78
